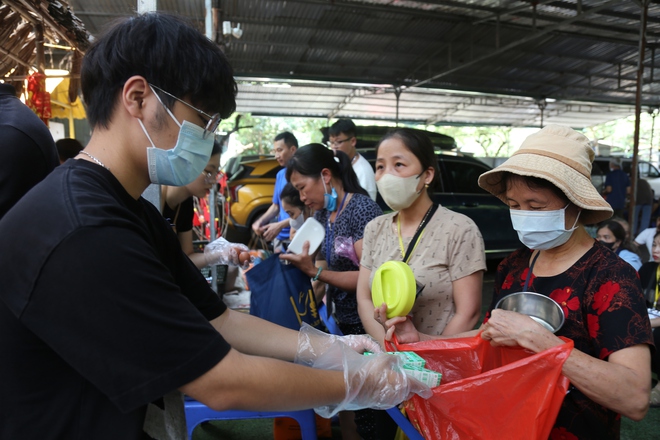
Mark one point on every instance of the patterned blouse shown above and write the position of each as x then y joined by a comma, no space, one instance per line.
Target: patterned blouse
348,227
605,311
450,248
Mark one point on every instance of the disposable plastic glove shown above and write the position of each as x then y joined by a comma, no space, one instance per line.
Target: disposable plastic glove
376,381
312,343
220,251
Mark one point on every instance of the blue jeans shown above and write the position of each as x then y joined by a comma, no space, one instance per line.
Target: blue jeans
642,221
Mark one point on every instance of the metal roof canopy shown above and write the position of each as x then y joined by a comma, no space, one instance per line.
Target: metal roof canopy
265,97
567,50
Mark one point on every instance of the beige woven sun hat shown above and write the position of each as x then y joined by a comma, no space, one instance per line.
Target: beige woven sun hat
561,156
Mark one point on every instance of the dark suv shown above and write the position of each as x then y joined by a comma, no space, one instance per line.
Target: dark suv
252,179
459,190
461,193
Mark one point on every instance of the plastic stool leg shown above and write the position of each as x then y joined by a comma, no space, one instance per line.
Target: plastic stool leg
404,424
197,412
307,421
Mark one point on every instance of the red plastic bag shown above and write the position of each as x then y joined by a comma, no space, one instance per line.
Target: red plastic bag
489,392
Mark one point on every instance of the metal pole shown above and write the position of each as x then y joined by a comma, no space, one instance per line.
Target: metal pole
542,104
638,111
397,93
213,193
213,200
653,115
208,11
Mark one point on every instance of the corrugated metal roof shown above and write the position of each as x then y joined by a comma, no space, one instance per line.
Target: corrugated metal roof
567,50
419,105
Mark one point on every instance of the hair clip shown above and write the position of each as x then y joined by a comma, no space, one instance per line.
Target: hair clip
337,159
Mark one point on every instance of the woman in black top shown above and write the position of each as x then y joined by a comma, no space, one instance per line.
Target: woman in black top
327,184
650,279
177,205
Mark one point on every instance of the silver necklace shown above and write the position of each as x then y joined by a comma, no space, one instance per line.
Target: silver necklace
94,159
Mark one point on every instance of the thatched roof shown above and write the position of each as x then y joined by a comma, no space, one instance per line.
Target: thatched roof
19,24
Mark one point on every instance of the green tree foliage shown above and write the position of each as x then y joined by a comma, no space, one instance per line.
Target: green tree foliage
619,134
261,130
494,141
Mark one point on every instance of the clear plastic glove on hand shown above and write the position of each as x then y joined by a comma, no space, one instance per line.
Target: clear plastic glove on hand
312,343
221,251
376,381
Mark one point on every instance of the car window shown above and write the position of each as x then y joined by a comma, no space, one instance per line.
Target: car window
464,175
647,170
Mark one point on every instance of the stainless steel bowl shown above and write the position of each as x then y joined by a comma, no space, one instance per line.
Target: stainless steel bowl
540,308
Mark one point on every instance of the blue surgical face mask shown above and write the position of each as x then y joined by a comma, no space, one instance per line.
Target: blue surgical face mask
542,230
329,199
183,163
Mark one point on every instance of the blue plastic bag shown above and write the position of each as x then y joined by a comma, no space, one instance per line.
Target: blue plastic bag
282,294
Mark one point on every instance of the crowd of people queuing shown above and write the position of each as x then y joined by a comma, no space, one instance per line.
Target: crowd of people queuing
104,311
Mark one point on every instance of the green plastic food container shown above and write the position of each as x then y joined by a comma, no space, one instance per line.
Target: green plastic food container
394,285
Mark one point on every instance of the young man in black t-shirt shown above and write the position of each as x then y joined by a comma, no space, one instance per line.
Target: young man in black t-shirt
100,310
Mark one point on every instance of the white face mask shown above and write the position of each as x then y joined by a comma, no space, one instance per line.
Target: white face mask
542,230
296,223
399,192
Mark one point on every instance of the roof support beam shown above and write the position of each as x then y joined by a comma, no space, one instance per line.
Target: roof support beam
450,111
16,58
629,35
22,6
507,12
469,10
81,13
347,99
510,46
360,51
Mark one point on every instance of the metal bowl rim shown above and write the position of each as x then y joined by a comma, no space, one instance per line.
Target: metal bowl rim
552,301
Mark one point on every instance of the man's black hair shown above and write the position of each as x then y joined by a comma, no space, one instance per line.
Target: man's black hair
309,160
291,195
288,138
169,53
343,125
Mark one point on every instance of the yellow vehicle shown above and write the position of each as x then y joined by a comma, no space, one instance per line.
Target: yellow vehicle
249,193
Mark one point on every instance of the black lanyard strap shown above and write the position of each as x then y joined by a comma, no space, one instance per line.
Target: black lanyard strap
420,229
529,274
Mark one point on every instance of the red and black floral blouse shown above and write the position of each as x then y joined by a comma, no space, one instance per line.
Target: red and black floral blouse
605,311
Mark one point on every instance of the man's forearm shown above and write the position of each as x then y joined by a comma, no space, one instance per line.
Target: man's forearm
257,336
260,384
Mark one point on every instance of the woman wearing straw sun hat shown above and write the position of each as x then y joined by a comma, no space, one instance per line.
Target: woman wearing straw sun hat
547,186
